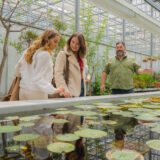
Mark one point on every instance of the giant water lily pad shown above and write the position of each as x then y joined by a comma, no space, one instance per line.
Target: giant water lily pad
29,118
154,144
103,104
85,106
25,137
130,106
8,129
91,117
12,117
139,109
26,124
150,124
152,106
67,137
108,107
153,112
61,109
110,122
156,129
127,115
60,121
15,148
60,147
147,117
84,113
90,133
134,101
124,155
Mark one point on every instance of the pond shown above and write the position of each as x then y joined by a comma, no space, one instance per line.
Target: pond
118,130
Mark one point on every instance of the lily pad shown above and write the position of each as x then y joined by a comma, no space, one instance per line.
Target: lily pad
60,121
147,117
91,117
25,137
110,122
12,117
134,101
26,124
103,114
29,118
153,112
154,144
67,137
123,155
60,147
90,133
150,124
84,113
152,106
130,106
61,109
103,104
8,129
108,107
85,106
15,148
156,129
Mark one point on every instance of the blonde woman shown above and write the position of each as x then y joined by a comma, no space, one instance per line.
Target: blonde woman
36,67
75,50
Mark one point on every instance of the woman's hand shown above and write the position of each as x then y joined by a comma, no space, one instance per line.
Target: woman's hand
60,90
67,95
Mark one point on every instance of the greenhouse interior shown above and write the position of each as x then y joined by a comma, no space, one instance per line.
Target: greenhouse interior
79,79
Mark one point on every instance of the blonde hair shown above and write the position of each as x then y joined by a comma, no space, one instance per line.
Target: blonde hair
41,42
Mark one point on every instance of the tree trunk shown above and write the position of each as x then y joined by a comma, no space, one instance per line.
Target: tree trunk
5,54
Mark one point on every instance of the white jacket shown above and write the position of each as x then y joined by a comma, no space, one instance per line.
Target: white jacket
38,75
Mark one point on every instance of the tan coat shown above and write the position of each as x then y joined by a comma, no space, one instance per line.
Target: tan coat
74,85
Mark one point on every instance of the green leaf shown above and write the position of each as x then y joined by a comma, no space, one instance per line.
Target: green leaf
29,118
60,147
67,137
15,148
91,133
12,117
26,124
8,129
25,137
60,121
154,144
84,113
123,155
85,106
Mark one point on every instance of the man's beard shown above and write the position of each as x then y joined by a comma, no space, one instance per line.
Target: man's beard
120,53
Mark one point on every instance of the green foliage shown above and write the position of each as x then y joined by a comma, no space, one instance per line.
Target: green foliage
95,59
143,81
157,76
29,2
96,87
24,40
60,27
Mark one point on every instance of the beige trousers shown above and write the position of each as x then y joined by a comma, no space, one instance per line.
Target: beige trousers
26,94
